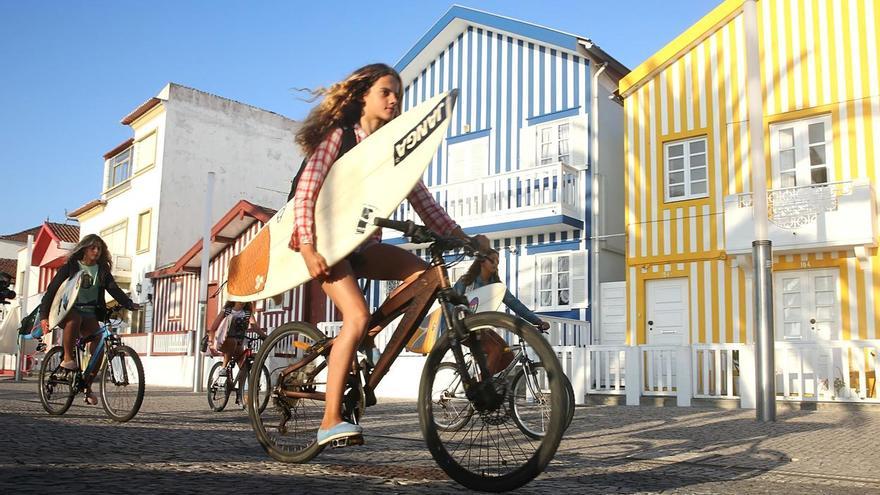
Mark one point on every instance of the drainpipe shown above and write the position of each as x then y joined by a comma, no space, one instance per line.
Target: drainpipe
594,210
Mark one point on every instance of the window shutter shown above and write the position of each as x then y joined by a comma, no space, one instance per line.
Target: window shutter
526,281
527,151
502,265
579,260
579,141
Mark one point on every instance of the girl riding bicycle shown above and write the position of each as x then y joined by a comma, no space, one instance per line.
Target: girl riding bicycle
484,271
91,256
365,101
241,319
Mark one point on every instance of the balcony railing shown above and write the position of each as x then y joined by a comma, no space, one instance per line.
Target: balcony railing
548,190
814,217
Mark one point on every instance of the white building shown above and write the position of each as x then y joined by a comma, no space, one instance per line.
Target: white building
152,201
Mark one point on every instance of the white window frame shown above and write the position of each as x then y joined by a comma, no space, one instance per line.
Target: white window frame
119,162
555,288
801,148
270,306
175,300
549,137
687,169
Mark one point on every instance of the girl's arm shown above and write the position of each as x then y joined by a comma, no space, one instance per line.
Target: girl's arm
520,309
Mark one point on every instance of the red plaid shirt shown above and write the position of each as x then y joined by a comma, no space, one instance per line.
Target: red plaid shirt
316,170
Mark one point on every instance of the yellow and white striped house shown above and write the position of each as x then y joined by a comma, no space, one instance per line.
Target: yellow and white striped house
689,204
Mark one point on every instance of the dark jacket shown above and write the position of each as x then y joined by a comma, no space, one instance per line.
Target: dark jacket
105,281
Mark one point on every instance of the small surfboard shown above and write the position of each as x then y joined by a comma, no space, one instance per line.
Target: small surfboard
369,181
64,299
486,298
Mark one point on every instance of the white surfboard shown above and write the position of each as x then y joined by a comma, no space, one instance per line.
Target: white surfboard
369,181
486,298
64,299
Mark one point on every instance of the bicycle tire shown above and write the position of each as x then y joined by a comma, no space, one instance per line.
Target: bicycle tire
121,396
56,392
218,393
517,459
272,426
263,388
448,394
519,397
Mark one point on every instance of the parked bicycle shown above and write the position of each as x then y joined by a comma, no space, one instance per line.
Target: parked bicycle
237,379
488,451
121,373
529,397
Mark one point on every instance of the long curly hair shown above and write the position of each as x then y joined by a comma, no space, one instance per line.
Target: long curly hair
474,270
342,104
78,252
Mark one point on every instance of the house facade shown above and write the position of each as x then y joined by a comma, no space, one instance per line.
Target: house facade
532,158
689,213
152,201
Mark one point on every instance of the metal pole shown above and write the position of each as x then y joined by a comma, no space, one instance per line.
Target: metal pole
23,306
762,249
203,285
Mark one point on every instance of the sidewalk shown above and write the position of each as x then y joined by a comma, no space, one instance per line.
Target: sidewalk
176,443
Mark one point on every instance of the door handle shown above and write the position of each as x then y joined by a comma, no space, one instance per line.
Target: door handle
650,324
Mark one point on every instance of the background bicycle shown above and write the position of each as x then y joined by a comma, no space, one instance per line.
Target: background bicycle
223,380
118,370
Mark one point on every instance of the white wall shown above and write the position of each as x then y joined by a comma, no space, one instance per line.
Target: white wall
9,249
248,148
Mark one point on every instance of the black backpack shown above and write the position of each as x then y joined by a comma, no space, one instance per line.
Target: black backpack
349,141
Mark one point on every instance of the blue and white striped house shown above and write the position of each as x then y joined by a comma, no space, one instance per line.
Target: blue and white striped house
533,159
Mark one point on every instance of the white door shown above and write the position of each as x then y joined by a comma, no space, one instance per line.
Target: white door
808,305
613,304
666,314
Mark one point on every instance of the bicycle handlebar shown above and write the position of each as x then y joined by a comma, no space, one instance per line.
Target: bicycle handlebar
420,234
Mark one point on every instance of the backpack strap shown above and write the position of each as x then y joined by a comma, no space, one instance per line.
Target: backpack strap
349,141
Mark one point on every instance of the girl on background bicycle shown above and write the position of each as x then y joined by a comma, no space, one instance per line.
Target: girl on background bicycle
484,271
241,320
91,256
365,100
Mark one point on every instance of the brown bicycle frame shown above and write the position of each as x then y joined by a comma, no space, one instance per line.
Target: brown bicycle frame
413,301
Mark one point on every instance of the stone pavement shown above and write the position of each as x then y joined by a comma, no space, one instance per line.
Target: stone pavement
176,444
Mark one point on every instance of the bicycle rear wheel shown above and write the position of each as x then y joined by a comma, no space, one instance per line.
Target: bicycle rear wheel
56,391
218,388
287,428
530,399
489,452
263,388
122,383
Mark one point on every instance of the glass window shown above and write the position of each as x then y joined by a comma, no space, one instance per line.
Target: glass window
120,168
800,152
554,281
686,170
554,143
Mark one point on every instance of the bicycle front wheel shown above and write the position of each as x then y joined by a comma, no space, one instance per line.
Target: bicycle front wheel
218,388
287,428
490,452
122,383
56,392
451,408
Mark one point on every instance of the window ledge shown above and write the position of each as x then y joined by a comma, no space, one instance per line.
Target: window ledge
118,189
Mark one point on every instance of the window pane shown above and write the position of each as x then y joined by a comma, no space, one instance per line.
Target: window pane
789,180
817,155
676,178
698,146
698,173
547,281
676,191
825,298
791,314
676,150
563,131
789,300
546,135
676,164
823,283
546,265
819,175
824,313
563,280
786,160
791,284
546,299
562,263
563,148
786,138
698,187
792,329
817,133
698,160
563,298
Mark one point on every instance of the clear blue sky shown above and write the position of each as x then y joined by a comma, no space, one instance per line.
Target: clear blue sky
69,71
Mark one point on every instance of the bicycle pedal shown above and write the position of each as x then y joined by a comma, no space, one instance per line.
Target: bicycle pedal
347,441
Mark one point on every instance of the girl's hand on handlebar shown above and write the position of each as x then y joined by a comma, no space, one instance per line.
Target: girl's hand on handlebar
44,324
543,326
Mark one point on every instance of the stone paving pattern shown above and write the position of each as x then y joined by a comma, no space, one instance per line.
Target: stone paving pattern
176,444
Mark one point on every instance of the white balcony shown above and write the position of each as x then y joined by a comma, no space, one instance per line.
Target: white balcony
548,192
838,215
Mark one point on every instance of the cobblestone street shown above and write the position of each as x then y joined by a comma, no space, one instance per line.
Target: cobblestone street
176,444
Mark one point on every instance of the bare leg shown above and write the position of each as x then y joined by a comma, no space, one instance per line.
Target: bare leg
88,327
71,327
343,290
